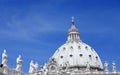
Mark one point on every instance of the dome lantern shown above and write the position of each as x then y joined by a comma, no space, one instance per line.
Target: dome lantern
73,33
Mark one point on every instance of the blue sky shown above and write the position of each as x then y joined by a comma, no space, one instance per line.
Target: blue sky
36,28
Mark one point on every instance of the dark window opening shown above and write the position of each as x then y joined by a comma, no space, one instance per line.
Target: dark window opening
63,48
86,47
71,55
81,55
92,49
89,55
96,58
61,56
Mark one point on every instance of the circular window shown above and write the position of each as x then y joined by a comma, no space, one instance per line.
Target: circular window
61,57
89,55
81,55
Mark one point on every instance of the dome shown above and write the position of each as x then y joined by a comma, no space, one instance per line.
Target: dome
77,54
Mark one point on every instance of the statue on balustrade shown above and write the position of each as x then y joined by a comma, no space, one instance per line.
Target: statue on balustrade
19,63
4,58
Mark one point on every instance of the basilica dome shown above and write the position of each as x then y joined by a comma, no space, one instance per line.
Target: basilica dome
77,54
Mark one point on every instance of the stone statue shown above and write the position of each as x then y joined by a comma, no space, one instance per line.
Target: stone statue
45,73
32,68
106,64
19,63
36,66
4,58
45,70
45,66
113,66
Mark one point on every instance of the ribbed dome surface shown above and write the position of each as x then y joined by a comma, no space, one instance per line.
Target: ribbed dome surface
77,54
